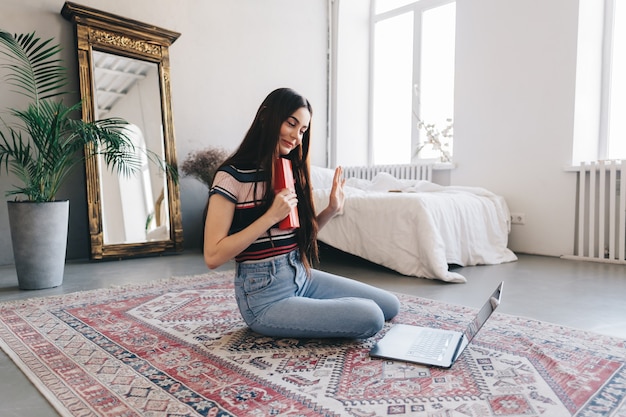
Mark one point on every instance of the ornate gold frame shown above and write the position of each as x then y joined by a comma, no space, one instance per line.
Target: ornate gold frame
102,31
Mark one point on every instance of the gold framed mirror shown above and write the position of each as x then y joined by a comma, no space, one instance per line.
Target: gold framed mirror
124,72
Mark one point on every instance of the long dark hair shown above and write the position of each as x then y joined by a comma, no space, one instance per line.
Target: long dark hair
260,149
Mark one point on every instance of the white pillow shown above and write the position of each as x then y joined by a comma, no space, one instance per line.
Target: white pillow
321,178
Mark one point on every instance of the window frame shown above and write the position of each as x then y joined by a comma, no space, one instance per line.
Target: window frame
607,89
605,81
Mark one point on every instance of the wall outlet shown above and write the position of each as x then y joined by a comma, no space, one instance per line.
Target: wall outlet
518,218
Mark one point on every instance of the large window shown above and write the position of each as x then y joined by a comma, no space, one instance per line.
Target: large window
412,77
600,125
613,136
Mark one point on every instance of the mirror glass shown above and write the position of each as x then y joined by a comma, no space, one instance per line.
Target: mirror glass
124,72
134,209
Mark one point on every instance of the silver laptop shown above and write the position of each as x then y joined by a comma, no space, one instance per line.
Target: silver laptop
434,347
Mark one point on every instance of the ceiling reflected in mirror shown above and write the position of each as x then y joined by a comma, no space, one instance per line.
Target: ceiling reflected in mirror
114,77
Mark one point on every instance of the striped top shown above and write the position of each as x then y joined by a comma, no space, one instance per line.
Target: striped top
237,185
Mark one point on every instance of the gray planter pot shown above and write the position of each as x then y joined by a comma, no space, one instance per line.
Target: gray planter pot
39,237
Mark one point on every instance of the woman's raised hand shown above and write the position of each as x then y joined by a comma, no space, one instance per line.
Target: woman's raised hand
337,198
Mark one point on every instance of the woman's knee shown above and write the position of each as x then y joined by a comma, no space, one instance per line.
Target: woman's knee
390,307
370,318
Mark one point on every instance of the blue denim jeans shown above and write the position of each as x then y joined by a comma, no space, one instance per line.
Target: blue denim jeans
276,298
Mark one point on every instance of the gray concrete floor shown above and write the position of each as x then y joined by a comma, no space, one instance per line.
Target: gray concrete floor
585,295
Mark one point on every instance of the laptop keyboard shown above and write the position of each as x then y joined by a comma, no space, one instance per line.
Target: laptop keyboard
430,345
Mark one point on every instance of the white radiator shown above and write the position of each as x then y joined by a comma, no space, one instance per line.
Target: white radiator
400,171
601,212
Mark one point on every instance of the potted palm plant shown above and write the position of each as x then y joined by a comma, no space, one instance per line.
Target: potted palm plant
40,145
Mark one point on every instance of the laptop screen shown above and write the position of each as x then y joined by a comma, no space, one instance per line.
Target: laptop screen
487,309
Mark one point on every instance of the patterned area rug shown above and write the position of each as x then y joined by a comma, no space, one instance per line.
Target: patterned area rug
179,348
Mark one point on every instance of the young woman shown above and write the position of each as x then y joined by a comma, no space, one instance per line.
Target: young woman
277,291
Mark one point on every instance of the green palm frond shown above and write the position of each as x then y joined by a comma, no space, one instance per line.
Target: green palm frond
57,147
33,66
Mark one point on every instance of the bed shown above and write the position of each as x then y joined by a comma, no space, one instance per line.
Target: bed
416,227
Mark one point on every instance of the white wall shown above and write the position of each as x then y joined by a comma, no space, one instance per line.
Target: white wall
350,83
514,108
230,55
514,111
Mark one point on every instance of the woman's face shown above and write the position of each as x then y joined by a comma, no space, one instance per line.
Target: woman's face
292,130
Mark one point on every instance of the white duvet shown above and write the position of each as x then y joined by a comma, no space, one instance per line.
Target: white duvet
416,227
